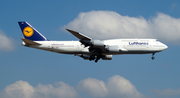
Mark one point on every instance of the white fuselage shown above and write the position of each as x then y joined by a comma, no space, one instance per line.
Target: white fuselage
126,46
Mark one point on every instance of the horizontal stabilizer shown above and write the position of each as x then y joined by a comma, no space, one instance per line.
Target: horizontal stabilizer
29,42
79,35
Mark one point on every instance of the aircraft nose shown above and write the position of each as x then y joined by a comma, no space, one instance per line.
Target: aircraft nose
165,47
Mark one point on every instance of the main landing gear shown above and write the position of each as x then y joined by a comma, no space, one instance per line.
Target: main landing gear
97,58
153,56
93,57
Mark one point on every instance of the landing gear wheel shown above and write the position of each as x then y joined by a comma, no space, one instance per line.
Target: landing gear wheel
152,58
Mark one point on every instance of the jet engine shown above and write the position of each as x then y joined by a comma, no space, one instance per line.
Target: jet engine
112,49
106,57
97,43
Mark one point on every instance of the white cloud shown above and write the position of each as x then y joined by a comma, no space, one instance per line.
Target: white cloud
62,90
22,89
6,43
165,93
93,87
116,87
109,24
166,28
120,87
19,89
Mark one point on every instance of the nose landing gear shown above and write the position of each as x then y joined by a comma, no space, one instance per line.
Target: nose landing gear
153,56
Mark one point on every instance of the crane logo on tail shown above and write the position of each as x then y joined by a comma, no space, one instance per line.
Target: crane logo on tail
28,31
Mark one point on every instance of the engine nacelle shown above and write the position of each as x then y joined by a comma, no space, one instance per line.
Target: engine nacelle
106,57
97,43
113,49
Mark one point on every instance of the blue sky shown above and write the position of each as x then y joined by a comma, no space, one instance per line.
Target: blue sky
32,73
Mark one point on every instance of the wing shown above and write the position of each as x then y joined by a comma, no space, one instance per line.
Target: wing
79,35
82,38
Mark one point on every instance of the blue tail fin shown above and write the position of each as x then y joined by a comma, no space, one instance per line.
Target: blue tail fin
31,33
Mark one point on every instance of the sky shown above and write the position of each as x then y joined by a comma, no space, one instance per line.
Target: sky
31,73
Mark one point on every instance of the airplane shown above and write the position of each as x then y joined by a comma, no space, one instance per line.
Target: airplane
88,48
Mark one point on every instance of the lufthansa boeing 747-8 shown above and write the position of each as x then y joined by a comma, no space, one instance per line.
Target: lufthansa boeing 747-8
88,48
